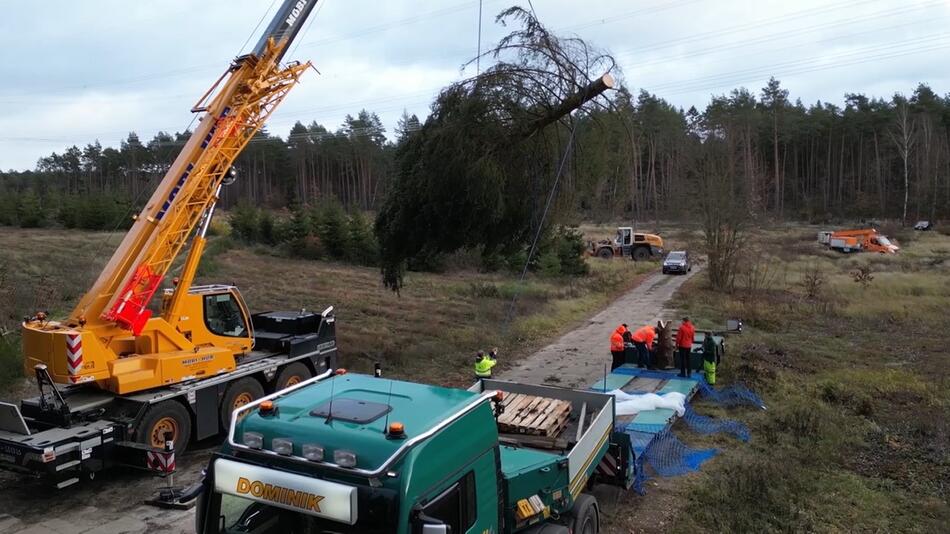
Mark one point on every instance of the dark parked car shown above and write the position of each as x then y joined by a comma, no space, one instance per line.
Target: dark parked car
677,261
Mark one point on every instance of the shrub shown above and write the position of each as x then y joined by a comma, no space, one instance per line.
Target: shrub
332,230
29,211
516,260
549,264
11,362
266,228
571,251
362,247
245,223
483,290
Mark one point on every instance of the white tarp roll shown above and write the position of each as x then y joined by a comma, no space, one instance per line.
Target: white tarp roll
633,403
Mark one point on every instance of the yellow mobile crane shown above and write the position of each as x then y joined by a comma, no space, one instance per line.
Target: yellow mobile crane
112,373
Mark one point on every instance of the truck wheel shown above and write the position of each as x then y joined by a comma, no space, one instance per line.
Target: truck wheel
167,417
641,254
291,374
585,515
241,392
605,253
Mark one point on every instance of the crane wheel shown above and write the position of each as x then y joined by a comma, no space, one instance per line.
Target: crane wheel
641,254
605,253
165,418
241,392
291,374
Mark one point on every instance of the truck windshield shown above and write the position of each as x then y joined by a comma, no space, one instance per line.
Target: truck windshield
239,515
881,240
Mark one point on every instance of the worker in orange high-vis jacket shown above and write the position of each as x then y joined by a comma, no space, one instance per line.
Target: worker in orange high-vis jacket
616,347
684,345
643,341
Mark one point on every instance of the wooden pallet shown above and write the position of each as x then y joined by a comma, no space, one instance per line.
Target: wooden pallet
536,416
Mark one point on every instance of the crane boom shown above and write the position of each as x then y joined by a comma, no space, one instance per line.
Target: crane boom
243,98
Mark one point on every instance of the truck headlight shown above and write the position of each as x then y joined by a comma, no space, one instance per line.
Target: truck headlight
344,458
312,452
282,446
254,440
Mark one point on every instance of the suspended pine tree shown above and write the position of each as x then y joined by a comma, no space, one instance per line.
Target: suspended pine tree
477,173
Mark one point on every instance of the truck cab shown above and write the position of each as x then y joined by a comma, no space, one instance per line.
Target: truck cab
352,453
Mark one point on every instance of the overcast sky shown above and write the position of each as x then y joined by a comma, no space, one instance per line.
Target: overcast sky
72,72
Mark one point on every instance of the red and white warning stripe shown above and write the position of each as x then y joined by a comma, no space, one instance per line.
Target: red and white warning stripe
74,354
163,462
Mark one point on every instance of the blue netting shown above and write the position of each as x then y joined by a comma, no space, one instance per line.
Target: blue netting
669,457
707,425
734,395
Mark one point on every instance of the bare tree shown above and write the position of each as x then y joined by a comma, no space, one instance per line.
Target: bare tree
724,210
904,135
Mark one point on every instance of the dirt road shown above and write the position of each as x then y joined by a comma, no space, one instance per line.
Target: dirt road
579,356
112,503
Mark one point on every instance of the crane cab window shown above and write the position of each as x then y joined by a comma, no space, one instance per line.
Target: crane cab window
223,316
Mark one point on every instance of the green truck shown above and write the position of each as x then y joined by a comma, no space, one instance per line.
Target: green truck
351,453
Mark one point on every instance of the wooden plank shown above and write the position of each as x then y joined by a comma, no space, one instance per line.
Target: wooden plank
537,442
537,413
559,425
561,410
512,409
525,414
554,409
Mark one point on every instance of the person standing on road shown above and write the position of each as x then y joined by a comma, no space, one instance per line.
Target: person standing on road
684,344
484,364
643,341
616,346
710,358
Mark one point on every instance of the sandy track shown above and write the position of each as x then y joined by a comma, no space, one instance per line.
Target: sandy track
578,357
112,503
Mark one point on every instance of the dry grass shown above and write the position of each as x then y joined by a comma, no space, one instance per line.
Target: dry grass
857,380
429,332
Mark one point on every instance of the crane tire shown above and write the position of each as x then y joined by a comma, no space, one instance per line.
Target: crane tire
242,391
641,254
168,416
291,374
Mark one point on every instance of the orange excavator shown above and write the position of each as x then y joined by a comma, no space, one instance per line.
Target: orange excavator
867,239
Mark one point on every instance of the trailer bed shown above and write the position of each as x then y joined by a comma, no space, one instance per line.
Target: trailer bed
644,426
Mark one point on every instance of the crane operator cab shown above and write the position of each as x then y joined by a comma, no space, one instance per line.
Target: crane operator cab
213,315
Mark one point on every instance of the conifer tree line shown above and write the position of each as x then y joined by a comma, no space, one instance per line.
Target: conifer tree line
871,157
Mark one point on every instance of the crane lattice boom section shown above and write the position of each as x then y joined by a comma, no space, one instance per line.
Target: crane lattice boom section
260,87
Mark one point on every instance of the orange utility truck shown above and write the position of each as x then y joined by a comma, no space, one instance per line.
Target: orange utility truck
868,239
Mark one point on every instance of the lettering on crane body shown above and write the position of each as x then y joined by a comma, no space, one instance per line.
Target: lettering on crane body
295,12
279,494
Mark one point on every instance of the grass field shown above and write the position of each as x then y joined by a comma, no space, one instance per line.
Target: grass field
429,332
855,374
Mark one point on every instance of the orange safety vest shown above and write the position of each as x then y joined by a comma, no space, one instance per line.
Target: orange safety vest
616,339
685,335
645,335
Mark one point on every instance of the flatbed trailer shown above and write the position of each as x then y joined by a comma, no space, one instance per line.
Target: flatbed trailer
71,432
